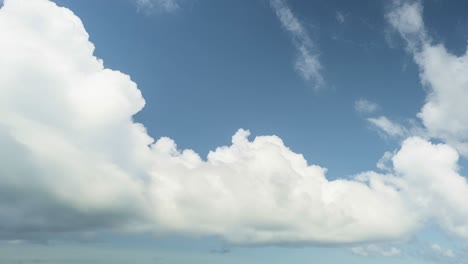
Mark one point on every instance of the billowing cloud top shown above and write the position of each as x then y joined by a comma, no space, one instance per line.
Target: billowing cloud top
74,160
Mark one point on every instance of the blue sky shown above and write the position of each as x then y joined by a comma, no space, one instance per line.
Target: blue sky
366,102
209,44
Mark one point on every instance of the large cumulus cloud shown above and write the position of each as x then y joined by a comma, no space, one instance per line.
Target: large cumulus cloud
261,192
73,161
63,117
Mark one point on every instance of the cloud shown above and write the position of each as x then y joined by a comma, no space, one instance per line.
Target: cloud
405,17
442,74
307,63
75,162
365,106
427,177
340,17
63,116
436,253
388,127
431,180
445,252
384,163
157,5
413,248
261,192
373,249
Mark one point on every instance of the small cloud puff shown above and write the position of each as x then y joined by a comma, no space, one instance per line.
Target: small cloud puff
365,106
340,17
157,5
376,250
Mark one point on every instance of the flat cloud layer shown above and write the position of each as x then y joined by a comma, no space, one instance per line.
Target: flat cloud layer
74,161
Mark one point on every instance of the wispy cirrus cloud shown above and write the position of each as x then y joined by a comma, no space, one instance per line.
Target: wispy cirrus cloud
388,127
307,62
340,17
365,106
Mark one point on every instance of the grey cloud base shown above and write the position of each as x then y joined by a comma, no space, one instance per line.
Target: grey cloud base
75,162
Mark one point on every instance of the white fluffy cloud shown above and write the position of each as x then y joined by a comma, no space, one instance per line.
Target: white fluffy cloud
432,184
443,74
427,173
74,161
63,116
261,192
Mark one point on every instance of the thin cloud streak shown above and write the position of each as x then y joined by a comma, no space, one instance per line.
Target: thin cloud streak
307,62
160,5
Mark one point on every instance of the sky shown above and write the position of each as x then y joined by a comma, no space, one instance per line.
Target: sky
264,131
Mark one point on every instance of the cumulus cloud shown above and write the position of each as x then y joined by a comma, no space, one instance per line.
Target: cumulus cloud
63,116
427,178
74,161
372,206
442,73
307,63
430,180
262,192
